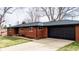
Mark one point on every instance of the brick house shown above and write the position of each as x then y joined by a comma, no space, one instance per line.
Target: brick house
65,29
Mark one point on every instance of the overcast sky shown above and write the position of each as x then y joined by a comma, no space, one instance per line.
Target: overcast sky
12,19
20,15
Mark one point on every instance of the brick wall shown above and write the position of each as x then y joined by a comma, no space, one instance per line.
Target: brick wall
27,32
11,31
77,33
42,33
35,32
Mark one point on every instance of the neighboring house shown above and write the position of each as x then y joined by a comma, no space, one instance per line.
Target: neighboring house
3,32
66,29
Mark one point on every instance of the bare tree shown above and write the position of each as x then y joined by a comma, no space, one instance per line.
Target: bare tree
46,12
34,14
65,12
3,12
59,13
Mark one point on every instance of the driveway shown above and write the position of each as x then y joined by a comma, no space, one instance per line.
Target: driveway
48,44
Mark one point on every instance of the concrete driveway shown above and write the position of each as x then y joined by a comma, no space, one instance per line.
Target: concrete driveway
48,44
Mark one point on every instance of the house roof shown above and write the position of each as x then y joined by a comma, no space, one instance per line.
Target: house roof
51,23
61,22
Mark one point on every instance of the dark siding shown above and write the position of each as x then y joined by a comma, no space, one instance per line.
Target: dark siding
65,32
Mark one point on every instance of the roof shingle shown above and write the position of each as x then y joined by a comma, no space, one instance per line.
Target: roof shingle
51,23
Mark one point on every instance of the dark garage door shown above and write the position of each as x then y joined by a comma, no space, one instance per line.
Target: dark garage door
64,32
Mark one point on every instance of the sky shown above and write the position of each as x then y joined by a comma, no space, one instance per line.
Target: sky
17,15
20,15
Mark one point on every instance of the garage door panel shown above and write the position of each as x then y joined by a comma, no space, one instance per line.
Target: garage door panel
66,32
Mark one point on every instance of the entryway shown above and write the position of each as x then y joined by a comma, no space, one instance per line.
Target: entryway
17,30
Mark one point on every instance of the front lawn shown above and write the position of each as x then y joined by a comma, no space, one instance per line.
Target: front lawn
6,41
71,47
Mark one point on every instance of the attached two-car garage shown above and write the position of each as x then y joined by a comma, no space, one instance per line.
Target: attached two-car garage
63,31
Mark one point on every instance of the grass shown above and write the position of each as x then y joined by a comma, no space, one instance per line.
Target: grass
71,47
6,41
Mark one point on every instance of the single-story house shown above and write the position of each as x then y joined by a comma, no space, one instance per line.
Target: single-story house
65,29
